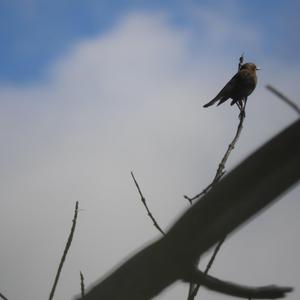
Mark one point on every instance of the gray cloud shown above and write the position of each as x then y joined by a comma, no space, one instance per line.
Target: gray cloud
130,100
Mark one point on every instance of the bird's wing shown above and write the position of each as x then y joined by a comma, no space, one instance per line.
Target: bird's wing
228,89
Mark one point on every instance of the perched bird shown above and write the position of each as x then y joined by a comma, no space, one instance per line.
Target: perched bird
240,86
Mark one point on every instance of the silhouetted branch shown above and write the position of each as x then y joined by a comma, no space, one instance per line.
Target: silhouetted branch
220,171
249,188
206,190
82,284
289,102
3,297
146,206
229,288
67,247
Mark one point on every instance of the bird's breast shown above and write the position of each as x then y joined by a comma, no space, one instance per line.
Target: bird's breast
248,84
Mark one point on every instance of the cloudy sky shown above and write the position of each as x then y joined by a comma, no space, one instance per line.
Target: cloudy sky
90,91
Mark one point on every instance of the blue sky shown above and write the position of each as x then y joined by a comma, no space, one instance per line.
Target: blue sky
34,33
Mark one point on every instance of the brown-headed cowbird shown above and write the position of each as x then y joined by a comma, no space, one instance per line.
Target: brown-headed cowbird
240,86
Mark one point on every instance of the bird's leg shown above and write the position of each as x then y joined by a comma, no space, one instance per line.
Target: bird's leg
245,101
239,105
242,106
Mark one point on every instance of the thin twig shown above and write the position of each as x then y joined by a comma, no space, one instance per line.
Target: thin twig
3,297
146,206
67,247
82,284
289,102
214,255
206,190
194,291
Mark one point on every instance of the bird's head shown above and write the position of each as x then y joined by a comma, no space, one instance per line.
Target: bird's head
250,66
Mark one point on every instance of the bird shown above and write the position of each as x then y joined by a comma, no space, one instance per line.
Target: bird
239,87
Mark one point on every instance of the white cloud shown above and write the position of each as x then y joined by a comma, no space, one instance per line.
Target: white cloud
130,99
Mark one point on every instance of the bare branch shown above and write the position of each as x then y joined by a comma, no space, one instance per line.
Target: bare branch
220,171
206,190
229,288
146,206
67,247
3,297
82,285
249,188
289,102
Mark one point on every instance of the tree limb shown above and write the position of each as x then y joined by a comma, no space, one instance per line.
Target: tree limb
232,289
249,188
284,98
3,297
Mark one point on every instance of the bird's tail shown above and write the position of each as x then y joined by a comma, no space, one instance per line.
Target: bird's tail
213,101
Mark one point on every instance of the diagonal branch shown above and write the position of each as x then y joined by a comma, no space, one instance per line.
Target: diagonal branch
146,206
220,171
3,297
289,102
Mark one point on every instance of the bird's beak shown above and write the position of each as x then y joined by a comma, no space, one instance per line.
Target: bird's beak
257,68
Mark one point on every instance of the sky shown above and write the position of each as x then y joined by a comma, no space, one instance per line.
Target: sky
91,91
